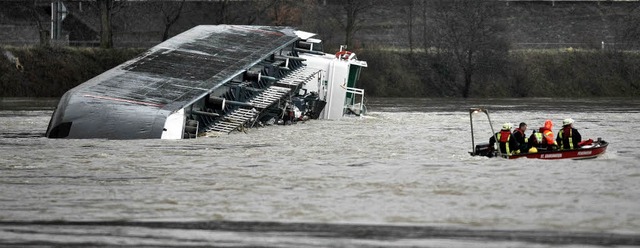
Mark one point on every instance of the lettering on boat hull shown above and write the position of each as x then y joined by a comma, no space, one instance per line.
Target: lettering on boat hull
555,155
584,153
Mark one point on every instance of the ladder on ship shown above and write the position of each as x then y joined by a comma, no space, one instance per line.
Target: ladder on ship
237,118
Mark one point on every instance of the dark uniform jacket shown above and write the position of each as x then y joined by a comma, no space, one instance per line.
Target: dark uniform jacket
513,145
519,135
568,138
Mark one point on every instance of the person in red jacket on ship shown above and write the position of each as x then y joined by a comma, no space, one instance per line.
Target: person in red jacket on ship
568,137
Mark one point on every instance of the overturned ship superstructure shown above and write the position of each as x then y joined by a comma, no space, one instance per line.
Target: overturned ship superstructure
213,79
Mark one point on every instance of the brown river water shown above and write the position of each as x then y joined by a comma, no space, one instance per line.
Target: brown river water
399,177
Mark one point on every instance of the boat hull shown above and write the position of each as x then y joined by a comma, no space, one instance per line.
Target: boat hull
594,151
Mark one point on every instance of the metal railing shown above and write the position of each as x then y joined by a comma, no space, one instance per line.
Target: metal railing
355,104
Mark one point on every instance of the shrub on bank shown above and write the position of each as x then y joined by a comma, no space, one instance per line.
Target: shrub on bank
50,72
390,74
576,73
528,73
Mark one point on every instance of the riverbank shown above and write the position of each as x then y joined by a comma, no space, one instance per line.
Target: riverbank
50,72
522,73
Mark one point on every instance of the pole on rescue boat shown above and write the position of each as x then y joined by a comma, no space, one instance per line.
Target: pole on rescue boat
473,141
478,110
493,132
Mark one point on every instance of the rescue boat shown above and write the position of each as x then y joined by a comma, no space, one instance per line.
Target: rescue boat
591,149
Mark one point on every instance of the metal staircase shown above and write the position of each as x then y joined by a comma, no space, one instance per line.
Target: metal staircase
271,95
282,88
233,120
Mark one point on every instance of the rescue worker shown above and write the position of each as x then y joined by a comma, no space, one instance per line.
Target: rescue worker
507,144
568,137
521,137
547,142
534,139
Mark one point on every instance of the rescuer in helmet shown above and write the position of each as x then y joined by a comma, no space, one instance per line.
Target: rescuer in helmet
506,141
568,137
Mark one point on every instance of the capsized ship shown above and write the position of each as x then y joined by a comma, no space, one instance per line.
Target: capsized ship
213,79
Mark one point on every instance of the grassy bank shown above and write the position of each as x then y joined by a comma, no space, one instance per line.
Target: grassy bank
524,73
49,72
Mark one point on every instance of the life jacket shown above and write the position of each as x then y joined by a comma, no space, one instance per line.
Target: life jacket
538,137
503,137
566,131
526,139
547,133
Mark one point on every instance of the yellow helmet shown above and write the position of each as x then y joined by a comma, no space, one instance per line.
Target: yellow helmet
533,150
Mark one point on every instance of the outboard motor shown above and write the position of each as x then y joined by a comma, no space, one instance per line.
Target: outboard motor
484,150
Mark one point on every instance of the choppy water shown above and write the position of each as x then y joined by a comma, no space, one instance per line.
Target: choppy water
401,177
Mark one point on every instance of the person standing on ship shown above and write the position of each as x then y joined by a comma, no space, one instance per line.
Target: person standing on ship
568,137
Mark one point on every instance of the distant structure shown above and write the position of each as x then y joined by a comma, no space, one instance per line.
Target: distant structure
531,23
56,21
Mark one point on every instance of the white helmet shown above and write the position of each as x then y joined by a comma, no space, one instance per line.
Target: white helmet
567,121
506,126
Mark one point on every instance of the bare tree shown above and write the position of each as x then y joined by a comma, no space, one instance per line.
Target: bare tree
171,13
310,10
43,31
409,19
106,9
285,12
34,10
353,17
426,44
106,29
468,32
278,12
